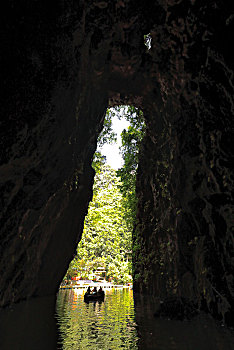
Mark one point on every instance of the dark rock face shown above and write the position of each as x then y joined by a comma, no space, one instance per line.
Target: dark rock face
62,67
184,234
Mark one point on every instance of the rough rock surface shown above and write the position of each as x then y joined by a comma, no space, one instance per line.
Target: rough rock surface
63,64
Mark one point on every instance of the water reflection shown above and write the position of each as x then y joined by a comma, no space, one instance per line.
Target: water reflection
29,325
116,323
201,333
97,325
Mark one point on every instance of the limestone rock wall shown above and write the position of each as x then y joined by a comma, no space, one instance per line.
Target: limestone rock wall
63,63
52,114
184,233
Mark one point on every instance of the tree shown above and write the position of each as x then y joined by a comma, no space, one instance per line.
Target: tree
107,236
107,134
131,141
106,239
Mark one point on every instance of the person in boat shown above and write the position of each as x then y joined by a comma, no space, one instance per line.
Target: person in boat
88,291
100,291
94,291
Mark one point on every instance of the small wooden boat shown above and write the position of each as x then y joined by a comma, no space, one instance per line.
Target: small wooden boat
99,296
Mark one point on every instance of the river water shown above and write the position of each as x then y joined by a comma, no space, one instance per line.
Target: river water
117,324
97,325
120,322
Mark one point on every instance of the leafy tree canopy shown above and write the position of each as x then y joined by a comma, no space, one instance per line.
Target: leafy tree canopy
107,235
131,141
106,240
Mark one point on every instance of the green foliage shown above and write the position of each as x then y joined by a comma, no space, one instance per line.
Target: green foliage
131,141
106,240
98,161
107,236
107,134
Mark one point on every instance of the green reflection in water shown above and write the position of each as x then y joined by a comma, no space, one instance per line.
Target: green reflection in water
97,325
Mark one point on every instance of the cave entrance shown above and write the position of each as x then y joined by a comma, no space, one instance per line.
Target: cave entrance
105,250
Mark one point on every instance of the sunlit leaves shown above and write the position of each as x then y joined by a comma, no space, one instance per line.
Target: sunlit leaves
107,134
131,141
106,238
108,226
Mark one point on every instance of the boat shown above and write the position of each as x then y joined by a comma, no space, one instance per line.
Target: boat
99,296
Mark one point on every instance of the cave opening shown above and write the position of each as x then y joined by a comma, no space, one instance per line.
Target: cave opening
61,67
105,250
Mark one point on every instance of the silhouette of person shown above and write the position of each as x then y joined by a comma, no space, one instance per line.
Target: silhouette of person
100,291
94,290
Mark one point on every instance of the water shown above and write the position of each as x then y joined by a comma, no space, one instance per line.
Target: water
200,333
97,325
117,323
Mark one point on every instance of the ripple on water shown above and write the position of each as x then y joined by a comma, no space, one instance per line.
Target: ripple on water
117,324
97,325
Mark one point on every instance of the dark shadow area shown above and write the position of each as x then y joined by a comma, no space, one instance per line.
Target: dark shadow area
161,333
29,325
36,324
63,65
